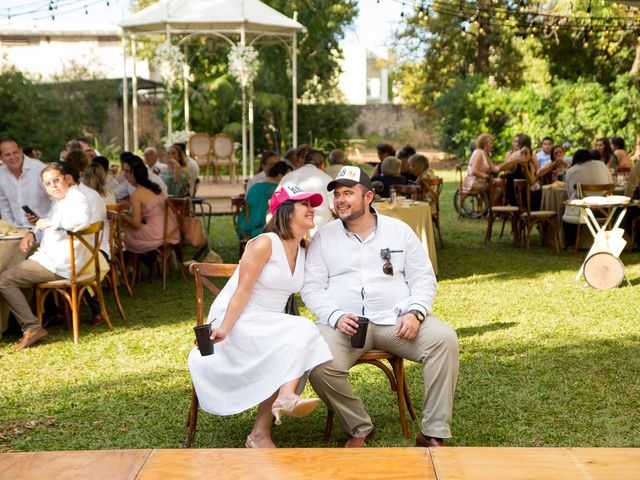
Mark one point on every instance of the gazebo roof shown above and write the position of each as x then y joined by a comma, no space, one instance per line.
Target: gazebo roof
186,16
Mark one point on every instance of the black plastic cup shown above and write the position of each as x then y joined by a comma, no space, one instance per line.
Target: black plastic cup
205,344
358,340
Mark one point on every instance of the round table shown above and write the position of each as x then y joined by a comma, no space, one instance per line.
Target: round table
418,216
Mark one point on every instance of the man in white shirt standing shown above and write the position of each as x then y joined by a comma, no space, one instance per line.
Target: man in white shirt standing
370,265
51,261
20,184
312,178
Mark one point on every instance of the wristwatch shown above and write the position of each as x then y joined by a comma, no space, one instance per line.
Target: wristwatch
419,315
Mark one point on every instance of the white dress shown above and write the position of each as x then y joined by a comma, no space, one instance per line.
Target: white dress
265,349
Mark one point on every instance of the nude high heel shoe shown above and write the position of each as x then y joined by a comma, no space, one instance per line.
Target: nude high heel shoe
250,443
298,407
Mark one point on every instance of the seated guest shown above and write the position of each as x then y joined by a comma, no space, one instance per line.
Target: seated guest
403,155
337,159
544,155
33,152
390,169
312,178
420,168
109,179
258,197
267,160
520,164
291,158
262,354
193,169
177,175
585,170
480,165
124,188
621,160
152,162
70,210
603,147
557,163
143,226
383,150
20,184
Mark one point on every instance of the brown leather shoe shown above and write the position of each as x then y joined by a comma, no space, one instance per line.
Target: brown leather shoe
96,319
30,337
426,441
358,442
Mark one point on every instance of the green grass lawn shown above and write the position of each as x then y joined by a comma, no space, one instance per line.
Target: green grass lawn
544,361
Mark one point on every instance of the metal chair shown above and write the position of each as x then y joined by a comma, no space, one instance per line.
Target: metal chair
222,146
397,382
87,276
470,204
202,273
201,207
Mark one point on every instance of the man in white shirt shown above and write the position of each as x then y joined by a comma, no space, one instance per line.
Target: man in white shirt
312,178
51,261
544,155
374,266
152,163
20,184
268,159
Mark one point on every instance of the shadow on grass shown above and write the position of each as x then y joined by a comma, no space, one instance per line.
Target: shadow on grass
491,327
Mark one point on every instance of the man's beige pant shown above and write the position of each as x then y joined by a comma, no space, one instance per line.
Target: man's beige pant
23,275
435,346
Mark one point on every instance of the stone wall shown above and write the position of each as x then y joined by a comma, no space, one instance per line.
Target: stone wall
150,126
396,124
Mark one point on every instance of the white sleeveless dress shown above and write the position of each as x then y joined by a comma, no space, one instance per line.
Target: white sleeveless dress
265,349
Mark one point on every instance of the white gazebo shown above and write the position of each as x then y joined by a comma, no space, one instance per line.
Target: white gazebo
238,22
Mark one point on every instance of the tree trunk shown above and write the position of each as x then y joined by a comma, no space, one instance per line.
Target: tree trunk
482,46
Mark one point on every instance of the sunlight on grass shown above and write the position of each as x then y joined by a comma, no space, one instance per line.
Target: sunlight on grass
544,361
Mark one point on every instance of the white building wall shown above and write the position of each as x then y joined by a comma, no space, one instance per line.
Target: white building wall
353,80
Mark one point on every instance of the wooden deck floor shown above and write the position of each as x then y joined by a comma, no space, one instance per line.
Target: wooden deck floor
328,463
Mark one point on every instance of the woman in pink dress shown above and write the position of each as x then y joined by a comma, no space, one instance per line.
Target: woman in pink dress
143,227
480,165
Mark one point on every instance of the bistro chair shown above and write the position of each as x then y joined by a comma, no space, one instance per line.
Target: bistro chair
201,207
180,208
397,382
200,151
468,204
435,189
203,272
498,210
237,204
528,218
116,258
87,276
222,146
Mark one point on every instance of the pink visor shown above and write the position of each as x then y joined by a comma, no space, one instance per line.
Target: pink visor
295,193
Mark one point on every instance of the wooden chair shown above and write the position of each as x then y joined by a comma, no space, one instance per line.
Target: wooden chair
498,210
237,203
202,272
397,382
590,190
528,218
180,208
435,189
470,204
200,151
222,146
414,192
116,258
87,276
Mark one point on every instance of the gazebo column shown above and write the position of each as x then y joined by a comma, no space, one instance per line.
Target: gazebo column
244,114
294,84
185,87
251,154
125,95
134,97
168,94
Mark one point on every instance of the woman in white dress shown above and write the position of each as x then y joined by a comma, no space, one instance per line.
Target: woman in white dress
262,355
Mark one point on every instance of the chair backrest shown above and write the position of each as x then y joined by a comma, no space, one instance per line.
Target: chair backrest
94,229
181,208
413,191
202,273
435,187
496,192
116,238
460,175
593,189
237,203
222,146
199,145
523,195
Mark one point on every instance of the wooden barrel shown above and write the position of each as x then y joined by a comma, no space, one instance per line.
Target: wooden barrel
603,270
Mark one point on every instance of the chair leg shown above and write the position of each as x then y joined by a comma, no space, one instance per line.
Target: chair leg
192,419
490,219
114,288
408,400
556,236
439,230
328,426
75,315
103,309
39,304
398,369
165,265
576,247
123,270
504,221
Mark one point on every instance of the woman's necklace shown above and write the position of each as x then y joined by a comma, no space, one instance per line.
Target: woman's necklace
292,255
